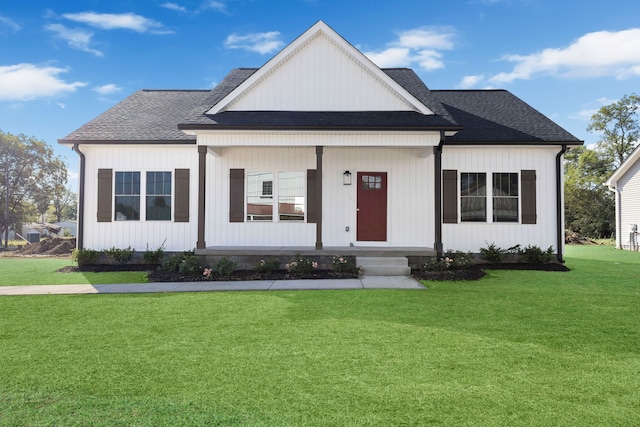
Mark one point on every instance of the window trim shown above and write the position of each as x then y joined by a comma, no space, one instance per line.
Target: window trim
143,195
489,196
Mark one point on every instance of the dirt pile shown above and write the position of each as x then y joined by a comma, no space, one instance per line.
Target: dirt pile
52,246
573,238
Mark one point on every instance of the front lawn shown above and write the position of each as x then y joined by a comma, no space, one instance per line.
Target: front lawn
515,348
20,271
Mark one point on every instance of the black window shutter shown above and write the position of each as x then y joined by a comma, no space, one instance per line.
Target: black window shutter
181,202
236,195
105,194
528,186
312,200
450,196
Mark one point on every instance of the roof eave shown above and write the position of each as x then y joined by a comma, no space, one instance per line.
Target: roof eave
71,142
195,127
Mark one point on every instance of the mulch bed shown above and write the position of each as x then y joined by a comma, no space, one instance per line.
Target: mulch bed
156,274
477,272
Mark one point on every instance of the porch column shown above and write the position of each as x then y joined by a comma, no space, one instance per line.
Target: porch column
319,151
202,182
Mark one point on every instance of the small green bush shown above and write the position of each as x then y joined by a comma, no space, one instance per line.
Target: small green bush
268,265
301,265
153,257
85,256
120,256
224,268
535,255
493,254
344,265
185,263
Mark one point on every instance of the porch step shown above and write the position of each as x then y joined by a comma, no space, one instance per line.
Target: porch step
384,266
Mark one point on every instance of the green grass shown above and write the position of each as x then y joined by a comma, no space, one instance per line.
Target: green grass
515,348
43,271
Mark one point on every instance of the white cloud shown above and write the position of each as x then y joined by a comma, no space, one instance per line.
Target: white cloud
468,82
107,89
6,22
173,6
214,5
598,54
76,38
24,82
420,46
255,42
118,21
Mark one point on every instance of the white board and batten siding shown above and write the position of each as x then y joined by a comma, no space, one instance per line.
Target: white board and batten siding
177,236
629,204
322,75
471,236
410,196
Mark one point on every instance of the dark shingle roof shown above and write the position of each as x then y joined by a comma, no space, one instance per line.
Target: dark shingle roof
145,116
485,116
497,116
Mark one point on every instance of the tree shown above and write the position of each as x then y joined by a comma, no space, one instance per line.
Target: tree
27,166
589,206
618,124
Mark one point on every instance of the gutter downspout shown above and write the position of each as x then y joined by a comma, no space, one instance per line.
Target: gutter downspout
437,152
80,228
559,205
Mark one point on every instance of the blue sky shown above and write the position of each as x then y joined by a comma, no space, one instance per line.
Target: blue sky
63,63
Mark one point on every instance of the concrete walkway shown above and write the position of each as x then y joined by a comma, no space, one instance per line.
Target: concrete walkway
365,282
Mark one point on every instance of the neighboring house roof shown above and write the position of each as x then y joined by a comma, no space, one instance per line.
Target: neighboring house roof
612,182
147,116
497,116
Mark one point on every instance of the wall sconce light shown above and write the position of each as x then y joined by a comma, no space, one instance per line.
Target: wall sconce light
346,178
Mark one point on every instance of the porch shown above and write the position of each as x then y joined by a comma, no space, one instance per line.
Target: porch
246,257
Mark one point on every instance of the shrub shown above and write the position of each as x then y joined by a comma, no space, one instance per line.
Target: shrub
301,265
224,268
268,265
85,256
435,264
344,265
496,255
535,255
120,256
459,260
153,257
493,254
185,262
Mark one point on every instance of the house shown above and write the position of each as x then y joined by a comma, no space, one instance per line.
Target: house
625,183
320,149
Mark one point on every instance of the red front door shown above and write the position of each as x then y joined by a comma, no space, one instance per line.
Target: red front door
372,207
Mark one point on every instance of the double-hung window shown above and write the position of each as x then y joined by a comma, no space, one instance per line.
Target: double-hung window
275,196
158,205
505,197
127,196
473,197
